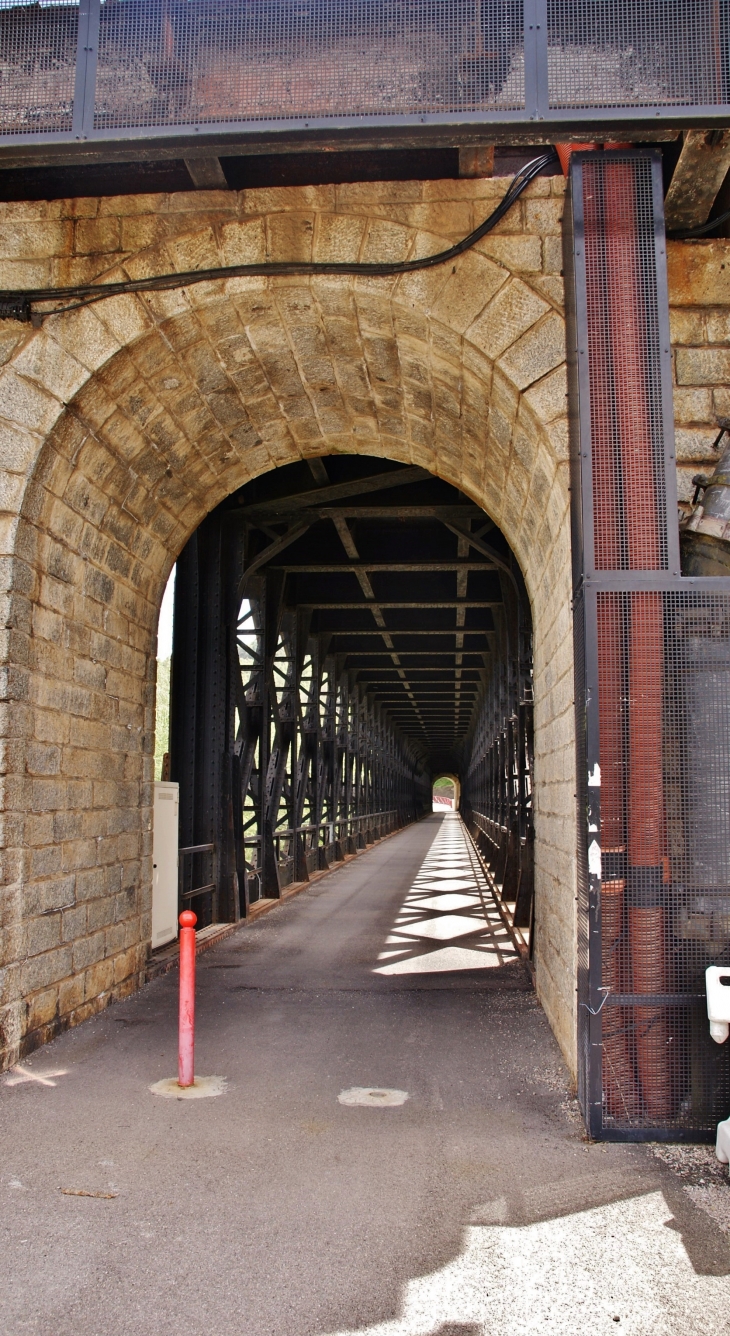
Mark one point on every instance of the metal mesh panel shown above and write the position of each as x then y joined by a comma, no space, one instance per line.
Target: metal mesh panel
205,61
665,853
37,67
583,917
609,53
624,367
653,697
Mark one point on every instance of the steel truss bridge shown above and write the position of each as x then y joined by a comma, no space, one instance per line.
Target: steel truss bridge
340,639
112,78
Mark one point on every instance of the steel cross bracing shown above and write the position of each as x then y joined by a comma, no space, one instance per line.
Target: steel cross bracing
341,629
497,788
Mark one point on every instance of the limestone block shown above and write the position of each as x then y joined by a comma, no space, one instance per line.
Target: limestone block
423,286
141,231
46,969
42,934
544,217
449,220
488,188
126,963
522,254
94,236
692,405
90,884
685,485
98,979
687,325
198,250
720,402
552,255
12,487
549,396
355,197
699,275
42,1008
506,318
703,366
695,443
25,403
70,995
536,353
717,324
338,238
558,434
37,239
74,923
19,274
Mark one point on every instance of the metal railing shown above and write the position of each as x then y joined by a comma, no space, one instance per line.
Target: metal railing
325,843
124,70
187,870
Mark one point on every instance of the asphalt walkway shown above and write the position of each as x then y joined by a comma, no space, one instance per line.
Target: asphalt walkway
397,1152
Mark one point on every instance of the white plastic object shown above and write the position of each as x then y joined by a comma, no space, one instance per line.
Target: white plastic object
722,1144
164,863
717,981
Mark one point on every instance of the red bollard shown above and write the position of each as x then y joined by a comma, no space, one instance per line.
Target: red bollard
186,1041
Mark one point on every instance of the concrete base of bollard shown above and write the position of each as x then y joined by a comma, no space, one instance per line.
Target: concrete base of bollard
203,1087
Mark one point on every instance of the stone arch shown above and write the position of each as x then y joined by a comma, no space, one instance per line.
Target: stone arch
449,774
136,417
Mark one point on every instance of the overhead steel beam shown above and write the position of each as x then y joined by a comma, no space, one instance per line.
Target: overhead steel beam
206,172
318,496
698,176
432,603
374,512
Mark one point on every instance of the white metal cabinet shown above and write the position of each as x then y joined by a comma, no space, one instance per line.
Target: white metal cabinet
164,863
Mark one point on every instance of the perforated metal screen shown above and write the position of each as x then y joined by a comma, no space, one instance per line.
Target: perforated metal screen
208,60
624,366
653,690
609,53
131,66
37,67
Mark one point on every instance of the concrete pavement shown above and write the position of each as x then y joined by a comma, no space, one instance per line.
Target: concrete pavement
474,1206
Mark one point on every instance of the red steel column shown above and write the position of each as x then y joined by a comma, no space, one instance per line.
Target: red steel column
645,806
621,1091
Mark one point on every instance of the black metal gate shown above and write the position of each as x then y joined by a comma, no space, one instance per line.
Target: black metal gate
653,690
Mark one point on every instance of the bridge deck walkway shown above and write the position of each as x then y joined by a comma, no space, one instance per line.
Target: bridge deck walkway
288,1207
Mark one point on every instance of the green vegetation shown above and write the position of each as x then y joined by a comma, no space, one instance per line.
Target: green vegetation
162,714
444,786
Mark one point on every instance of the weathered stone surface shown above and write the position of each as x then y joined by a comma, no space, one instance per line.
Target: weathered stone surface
133,420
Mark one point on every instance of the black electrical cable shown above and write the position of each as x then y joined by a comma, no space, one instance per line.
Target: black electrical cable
19,304
699,231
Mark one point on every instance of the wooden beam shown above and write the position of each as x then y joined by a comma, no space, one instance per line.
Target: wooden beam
703,165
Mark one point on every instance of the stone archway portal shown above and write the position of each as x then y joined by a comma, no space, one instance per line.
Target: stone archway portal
128,422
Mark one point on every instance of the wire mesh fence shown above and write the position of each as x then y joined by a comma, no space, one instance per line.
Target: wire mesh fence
37,68
154,65
653,692
645,54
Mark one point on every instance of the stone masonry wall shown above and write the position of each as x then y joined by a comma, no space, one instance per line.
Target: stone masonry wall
699,287
121,426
